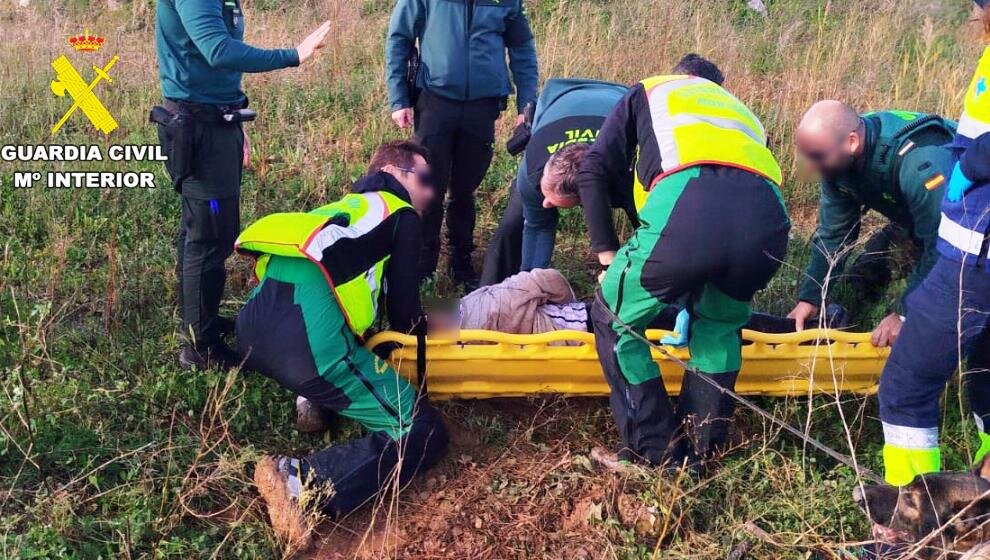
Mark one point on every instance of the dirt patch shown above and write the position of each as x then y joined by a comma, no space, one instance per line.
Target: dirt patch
536,495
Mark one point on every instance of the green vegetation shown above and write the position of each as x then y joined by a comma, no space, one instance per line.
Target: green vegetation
108,449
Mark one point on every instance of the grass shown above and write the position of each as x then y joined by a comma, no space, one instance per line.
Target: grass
108,449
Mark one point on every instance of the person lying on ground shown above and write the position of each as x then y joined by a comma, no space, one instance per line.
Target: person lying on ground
894,162
322,274
539,301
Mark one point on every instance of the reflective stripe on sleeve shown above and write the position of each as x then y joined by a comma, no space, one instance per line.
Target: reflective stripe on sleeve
962,238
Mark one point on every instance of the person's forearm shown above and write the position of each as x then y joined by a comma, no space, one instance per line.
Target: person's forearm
205,26
397,50
403,28
525,73
814,277
232,54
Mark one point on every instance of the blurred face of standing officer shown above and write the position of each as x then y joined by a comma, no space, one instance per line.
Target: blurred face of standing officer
201,58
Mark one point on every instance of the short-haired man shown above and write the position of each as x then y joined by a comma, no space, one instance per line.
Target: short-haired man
462,86
713,231
201,57
546,184
566,120
894,162
322,274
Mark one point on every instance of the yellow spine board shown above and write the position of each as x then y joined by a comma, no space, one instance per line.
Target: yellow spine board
487,364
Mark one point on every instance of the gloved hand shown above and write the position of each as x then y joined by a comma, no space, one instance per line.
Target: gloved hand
679,338
959,183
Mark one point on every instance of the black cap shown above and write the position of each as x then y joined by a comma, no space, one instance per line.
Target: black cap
982,3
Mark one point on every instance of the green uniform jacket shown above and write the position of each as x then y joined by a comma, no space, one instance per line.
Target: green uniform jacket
201,53
463,46
896,190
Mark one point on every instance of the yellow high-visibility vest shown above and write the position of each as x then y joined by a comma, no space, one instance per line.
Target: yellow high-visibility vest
975,119
313,235
697,122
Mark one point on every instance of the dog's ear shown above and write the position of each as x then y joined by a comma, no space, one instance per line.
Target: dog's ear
982,469
878,501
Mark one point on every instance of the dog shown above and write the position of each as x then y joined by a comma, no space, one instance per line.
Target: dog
937,515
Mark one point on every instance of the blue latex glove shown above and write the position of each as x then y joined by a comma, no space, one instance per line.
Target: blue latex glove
959,183
679,337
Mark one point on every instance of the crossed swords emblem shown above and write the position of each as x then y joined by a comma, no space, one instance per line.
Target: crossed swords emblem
70,82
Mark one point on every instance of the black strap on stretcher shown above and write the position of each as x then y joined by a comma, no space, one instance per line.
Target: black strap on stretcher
421,355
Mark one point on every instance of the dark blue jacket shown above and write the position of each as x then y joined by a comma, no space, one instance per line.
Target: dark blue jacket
973,211
463,45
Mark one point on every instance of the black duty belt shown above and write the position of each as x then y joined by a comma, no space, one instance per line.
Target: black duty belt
203,112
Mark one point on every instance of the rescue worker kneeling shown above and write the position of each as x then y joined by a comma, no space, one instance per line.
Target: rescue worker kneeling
713,232
321,276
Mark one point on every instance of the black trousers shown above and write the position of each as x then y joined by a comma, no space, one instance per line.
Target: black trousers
295,333
865,281
209,224
503,258
460,136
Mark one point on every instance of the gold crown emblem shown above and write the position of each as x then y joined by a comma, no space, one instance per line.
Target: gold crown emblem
86,42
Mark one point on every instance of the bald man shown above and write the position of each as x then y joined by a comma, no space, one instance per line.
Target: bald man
893,162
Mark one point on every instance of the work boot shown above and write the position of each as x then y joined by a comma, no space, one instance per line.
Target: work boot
463,272
224,325
271,477
705,415
207,356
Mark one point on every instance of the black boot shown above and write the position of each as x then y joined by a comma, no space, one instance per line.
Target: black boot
705,415
207,356
463,273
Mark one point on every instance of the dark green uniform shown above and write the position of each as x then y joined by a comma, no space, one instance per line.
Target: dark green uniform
901,174
201,57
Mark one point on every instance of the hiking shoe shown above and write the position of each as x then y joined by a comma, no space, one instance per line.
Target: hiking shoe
309,417
287,518
215,355
611,462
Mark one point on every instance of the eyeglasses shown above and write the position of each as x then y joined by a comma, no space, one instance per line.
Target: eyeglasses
424,176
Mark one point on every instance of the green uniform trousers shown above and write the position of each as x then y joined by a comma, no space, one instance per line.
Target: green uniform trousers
710,237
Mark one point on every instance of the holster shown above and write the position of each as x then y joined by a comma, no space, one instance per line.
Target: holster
516,144
177,135
412,74
177,122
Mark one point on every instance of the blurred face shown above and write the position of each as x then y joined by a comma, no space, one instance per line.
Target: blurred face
551,197
827,155
417,180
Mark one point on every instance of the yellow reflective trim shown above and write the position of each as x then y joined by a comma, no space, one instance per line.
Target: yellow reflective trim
976,116
901,465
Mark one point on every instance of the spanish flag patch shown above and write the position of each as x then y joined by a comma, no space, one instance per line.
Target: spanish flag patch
935,182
